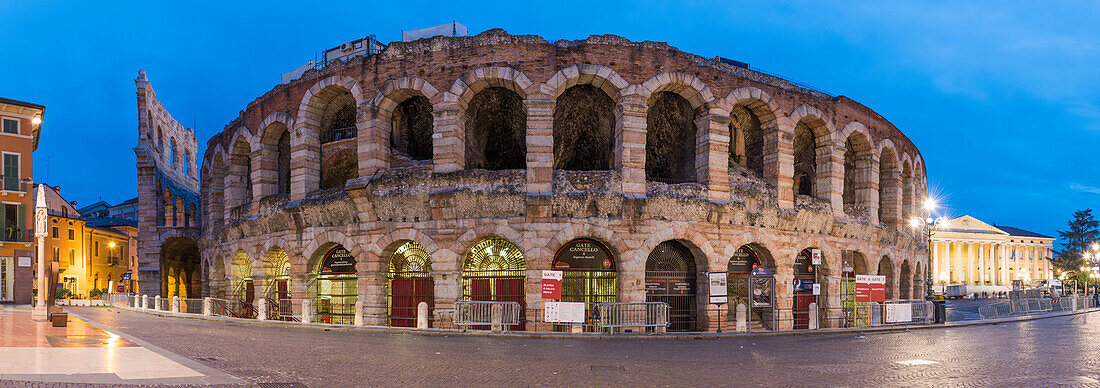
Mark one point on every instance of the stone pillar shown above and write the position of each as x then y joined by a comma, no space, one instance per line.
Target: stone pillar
207,306
540,146
630,135
265,176
307,310
448,136
779,163
358,320
373,138
305,155
372,294
712,155
1002,250
830,175
957,264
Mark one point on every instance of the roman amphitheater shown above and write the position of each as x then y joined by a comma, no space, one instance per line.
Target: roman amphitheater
460,168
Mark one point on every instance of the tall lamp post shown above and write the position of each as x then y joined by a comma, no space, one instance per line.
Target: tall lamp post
926,224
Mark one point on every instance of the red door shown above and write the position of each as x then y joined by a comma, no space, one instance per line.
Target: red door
249,298
802,301
282,292
511,290
481,289
424,291
403,308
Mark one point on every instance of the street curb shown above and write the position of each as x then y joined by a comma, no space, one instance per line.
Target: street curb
557,335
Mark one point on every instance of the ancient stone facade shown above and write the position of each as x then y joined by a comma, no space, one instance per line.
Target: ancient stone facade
168,200
676,147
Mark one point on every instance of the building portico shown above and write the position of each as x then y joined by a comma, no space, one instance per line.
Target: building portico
969,251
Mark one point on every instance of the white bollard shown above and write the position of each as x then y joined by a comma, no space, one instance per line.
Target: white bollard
813,316
307,310
175,304
358,312
207,306
422,315
496,315
145,302
742,318
1073,304
261,309
156,303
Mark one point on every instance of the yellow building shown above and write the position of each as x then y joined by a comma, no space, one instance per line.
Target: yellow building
968,251
89,257
20,125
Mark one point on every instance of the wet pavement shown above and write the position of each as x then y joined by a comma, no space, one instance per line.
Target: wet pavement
1051,351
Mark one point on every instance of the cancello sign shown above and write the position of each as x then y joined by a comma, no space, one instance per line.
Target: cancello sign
585,255
338,261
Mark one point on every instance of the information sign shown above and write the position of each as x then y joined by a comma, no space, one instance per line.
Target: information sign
815,255
563,312
551,284
899,312
24,261
338,261
817,289
870,288
718,290
583,254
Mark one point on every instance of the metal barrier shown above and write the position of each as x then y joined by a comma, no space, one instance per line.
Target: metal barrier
1022,306
483,315
640,314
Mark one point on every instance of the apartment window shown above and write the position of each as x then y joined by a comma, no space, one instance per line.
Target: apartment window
56,254
53,231
72,256
72,235
97,249
11,126
13,219
11,172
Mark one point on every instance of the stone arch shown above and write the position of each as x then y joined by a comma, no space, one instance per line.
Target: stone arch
273,171
674,101
317,247
238,177
307,137
181,267
389,241
860,188
811,141
886,268
904,285
493,117
754,131
666,263
610,239
890,191
584,128
403,114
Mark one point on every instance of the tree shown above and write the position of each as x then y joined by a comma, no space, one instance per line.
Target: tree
1079,238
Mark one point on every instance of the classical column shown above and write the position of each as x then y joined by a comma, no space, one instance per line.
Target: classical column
1002,250
958,262
981,263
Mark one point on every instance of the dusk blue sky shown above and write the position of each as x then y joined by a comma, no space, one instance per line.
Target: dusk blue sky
1000,97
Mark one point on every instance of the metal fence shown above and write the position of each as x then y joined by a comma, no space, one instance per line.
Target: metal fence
613,316
1031,306
483,315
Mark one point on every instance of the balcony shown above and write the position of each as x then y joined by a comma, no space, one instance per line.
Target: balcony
16,234
337,134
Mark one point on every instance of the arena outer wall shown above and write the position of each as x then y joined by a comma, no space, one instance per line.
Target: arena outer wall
448,208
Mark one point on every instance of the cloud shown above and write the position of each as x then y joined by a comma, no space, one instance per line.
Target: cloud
1084,189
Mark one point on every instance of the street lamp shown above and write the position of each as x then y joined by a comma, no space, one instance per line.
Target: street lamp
926,224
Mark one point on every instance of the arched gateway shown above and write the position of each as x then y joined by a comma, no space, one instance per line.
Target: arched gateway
670,278
495,270
588,274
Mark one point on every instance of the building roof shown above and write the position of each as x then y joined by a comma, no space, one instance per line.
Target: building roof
1020,232
107,222
21,103
94,206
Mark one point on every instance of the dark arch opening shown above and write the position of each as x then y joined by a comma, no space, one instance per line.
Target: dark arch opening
338,118
670,140
746,140
411,134
584,125
805,160
670,277
886,268
496,130
283,162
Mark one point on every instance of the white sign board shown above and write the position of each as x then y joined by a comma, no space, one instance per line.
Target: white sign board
564,312
899,312
817,288
718,289
24,262
815,257
553,275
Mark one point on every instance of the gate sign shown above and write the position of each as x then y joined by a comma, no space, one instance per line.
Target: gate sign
551,284
870,288
564,312
718,290
583,254
338,261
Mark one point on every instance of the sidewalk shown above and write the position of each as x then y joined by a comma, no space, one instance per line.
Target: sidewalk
548,334
83,352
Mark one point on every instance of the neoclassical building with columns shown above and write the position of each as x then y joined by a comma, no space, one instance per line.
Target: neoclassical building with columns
969,251
459,168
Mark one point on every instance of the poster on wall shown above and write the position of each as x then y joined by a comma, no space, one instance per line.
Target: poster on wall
551,284
815,256
847,263
718,290
742,261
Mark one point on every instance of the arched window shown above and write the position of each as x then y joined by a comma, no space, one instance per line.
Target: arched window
858,164
805,160
670,139
584,129
172,151
496,130
412,123
338,118
283,163
336,288
747,139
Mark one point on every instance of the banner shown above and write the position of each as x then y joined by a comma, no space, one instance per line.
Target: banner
551,284
899,312
870,288
583,254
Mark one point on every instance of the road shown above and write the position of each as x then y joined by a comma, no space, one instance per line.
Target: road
1041,352
967,309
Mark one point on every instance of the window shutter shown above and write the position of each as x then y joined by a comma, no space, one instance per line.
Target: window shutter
21,222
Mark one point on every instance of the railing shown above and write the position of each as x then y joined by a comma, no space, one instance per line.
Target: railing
336,134
284,309
233,308
614,316
1030,306
16,234
485,314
